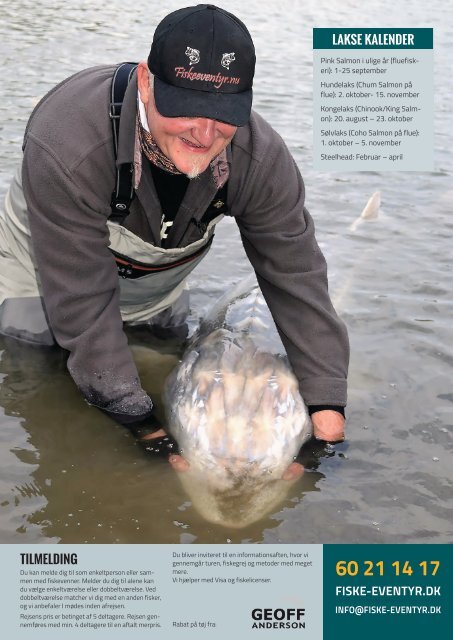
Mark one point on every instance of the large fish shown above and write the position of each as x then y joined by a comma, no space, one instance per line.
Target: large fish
234,407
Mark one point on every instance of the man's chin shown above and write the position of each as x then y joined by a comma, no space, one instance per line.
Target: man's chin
194,173
192,165
195,168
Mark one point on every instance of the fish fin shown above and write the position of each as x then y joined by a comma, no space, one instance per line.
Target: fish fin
370,211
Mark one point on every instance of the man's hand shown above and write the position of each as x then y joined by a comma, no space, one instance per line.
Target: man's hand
328,425
178,463
160,433
159,443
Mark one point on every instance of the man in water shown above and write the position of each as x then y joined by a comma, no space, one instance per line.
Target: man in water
190,150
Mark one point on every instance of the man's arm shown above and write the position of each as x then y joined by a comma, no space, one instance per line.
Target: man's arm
79,283
278,237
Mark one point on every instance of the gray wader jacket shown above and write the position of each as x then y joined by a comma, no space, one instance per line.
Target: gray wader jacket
58,276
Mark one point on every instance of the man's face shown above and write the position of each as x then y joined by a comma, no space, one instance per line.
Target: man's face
190,143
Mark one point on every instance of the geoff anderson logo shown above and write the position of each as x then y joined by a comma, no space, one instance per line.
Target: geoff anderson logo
278,618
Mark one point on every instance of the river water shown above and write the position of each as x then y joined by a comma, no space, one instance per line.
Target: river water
68,474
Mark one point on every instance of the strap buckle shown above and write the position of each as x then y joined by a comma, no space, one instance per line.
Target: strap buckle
115,110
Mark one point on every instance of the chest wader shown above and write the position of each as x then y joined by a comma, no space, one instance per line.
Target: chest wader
22,313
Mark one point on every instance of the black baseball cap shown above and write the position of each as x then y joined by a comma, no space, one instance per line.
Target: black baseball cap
203,61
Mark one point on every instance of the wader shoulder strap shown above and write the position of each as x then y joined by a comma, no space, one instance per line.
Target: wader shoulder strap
123,193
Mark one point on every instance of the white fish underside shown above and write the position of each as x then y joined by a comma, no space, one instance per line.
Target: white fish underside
234,402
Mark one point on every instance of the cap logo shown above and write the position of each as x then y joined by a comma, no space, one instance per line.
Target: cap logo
227,59
193,55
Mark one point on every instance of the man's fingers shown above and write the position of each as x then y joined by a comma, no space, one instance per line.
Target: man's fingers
178,463
331,439
294,471
155,434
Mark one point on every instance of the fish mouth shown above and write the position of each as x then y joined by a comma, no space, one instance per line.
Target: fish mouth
222,473
235,503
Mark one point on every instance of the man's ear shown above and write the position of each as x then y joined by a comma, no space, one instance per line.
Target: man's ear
179,463
143,82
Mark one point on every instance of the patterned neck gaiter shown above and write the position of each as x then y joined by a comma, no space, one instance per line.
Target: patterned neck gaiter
149,147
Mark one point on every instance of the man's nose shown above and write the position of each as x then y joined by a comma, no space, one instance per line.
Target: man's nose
204,131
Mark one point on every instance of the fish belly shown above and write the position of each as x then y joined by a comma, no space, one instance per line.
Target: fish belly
234,403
